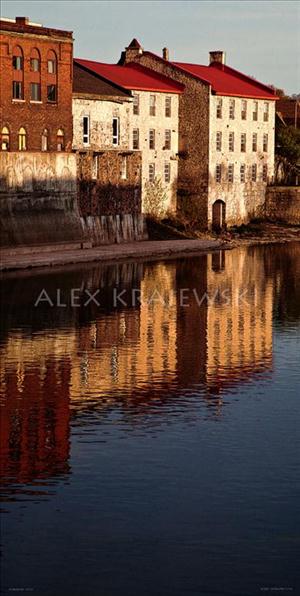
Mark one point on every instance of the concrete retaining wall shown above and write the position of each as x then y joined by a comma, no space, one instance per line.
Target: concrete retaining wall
283,204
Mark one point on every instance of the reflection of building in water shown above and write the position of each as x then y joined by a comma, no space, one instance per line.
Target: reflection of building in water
239,317
34,440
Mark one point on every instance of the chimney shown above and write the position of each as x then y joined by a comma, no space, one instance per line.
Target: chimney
217,56
165,54
22,20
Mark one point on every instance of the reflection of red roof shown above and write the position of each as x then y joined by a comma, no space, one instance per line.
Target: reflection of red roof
228,81
132,76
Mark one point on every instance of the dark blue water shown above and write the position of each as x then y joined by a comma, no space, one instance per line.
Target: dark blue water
151,447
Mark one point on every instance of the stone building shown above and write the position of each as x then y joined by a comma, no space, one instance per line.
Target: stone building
149,123
36,87
226,137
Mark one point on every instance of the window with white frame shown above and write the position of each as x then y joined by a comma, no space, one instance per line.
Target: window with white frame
116,131
136,104
244,109
231,141
151,138
167,139
266,111
168,107
243,142
219,107
230,172
255,111
265,142
152,105
265,173
254,172
242,172
136,138
124,167
167,172
86,130
231,109
219,141
151,172
254,141
218,172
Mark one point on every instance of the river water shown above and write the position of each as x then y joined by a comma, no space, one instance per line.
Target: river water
150,427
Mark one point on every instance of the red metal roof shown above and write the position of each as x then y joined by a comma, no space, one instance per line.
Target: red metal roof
228,81
132,76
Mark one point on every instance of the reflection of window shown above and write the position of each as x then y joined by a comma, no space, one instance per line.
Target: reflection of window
35,91
45,137
135,138
86,130
167,172
116,131
17,90
151,172
5,139
60,140
51,93
22,139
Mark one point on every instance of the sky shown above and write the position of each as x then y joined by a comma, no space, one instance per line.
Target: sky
261,38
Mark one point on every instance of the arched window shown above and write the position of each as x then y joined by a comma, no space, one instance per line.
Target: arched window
51,77
18,58
45,140
51,62
22,137
18,72
5,139
35,60
35,75
60,140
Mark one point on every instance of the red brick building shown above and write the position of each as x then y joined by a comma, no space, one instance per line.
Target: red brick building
36,72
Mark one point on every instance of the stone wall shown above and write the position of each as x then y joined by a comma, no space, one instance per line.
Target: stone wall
283,204
38,199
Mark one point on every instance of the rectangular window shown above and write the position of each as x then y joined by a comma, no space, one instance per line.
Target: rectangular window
168,107
265,173
231,141
218,141
242,172
167,172
230,172
124,168
34,65
95,167
136,104
266,111
151,172
86,130
255,111
218,172
151,138
51,64
167,139
51,93
135,138
254,141
244,109
17,63
35,91
254,172
17,90
219,108
265,142
116,131
152,107
231,109
243,142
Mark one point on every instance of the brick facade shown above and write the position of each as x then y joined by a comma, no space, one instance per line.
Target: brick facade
32,41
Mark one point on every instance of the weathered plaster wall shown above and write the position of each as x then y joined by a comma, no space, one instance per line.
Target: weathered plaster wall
244,200
283,204
158,156
101,113
38,198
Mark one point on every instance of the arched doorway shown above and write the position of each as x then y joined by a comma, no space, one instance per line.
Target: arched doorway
218,215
